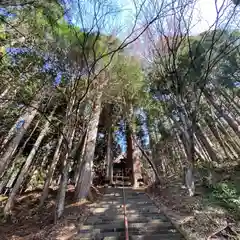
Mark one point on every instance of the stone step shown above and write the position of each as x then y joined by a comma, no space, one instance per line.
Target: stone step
113,194
122,185
142,212
102,228
98,235
160,229
131,218
141,237
99,221
95,218
168,229
107,203
121,177
139,203
129,197
112,198
147,217
121,236
145,221
135,198
130,193
120,205
109,213
156,236
151,224
105,238
135,207
105,210
119,226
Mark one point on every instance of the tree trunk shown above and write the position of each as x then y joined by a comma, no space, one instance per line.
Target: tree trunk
12,179
24,114
18,155
57,153
219,139
151,163
85,180
64,177
233,124
231,101
51,170
4,102
137,169
2,95
11,149
27,164
133,156
47,148
200,151
80,158
6,177
66,161
208,146
109,160
189,127
76,155
227,136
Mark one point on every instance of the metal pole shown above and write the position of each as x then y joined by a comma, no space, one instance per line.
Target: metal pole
125,211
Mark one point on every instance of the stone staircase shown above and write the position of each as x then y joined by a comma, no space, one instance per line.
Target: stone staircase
145,222
122,181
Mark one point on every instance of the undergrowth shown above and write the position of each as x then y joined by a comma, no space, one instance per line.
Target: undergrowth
227,195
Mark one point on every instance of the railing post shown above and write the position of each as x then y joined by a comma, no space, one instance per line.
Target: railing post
125,211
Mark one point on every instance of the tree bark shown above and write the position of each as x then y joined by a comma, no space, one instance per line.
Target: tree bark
5,178
11,149
233,124
219,139
200,151
109,159
57,155
51,170
10,94
188,129
27,164
227,136
230,101
151,163
2,95
85,180
80,158
64,177
208,146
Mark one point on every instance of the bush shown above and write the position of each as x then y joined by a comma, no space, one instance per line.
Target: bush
227,195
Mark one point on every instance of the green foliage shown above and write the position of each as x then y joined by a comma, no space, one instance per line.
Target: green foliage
227,195
127,79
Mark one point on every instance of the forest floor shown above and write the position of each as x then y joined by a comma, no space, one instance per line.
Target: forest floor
213,213
28,222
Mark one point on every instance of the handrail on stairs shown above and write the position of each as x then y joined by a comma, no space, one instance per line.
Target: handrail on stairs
125,211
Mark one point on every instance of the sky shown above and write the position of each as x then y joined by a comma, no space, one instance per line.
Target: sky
204,15
121,13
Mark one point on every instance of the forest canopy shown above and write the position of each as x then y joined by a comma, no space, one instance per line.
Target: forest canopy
78,88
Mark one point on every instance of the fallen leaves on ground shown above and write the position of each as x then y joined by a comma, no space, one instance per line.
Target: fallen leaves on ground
194,216
28,222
